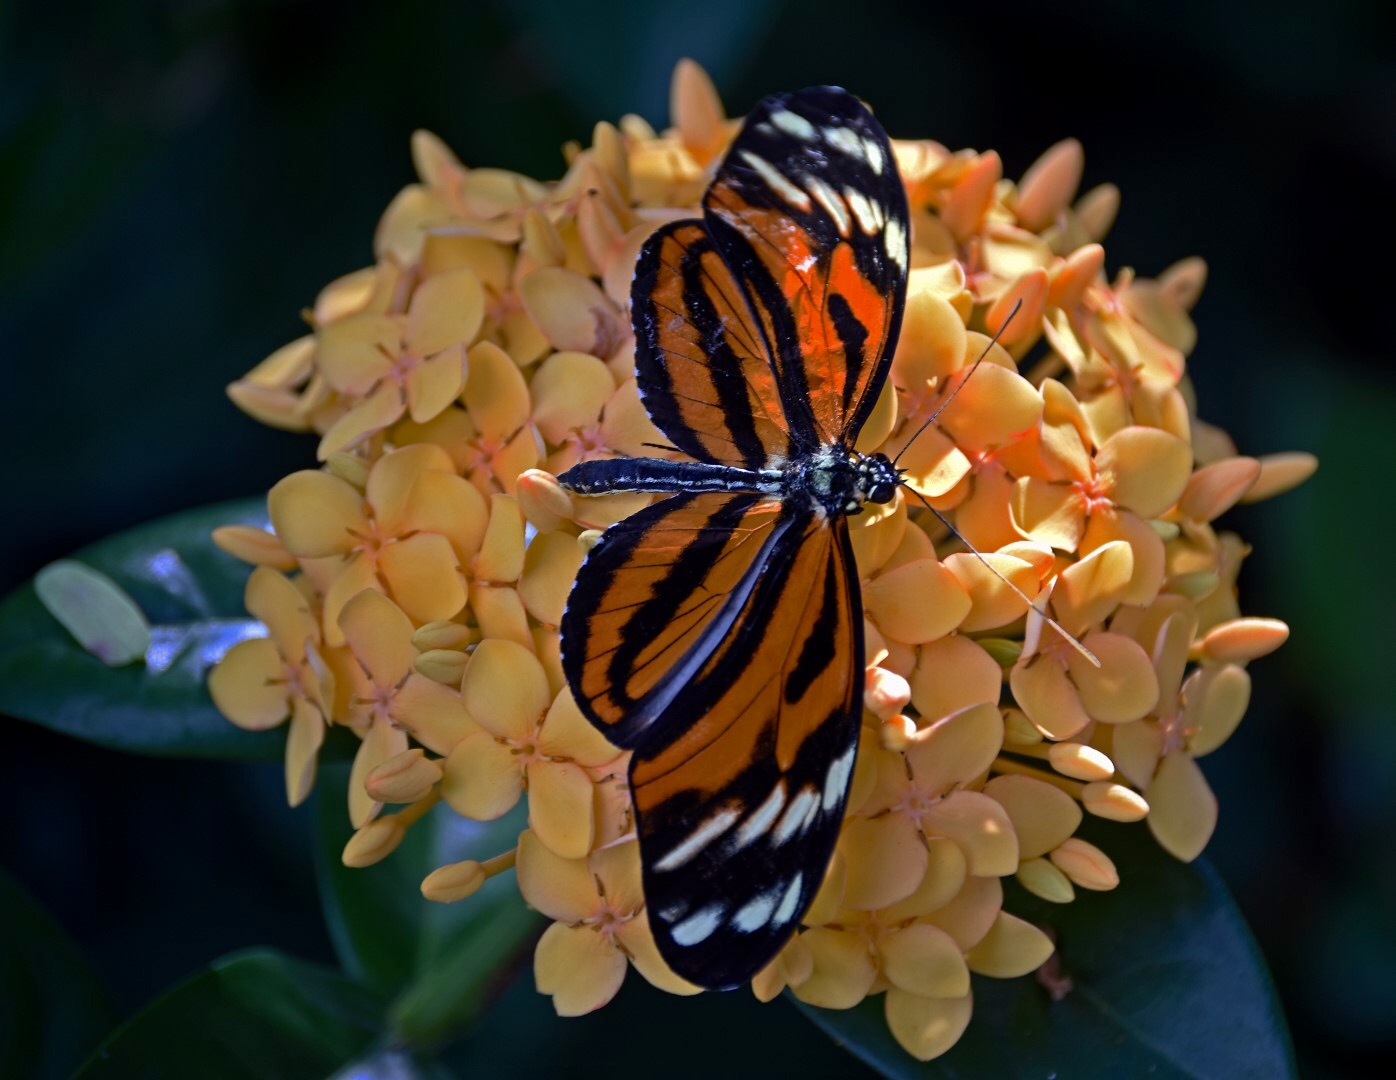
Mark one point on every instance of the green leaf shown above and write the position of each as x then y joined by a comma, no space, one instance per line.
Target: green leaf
1166,982
55,1007
253,1014
443,962
191,594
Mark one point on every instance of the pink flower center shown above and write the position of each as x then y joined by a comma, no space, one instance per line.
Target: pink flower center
590,443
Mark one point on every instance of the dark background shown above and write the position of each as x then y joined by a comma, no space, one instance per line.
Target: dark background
178,180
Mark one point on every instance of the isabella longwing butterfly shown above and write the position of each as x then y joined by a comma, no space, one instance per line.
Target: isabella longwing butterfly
718,633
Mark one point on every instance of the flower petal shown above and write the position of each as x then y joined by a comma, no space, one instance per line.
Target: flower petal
952,674
550,568
843,971
1043,816
638,942
272,599
1124,687
483,779
316,514
1182,808
1050,513
505,690
971,914
380,636
249,685
993,603
569,390
1048,698
924,960
1144,469
1010,949
421,573
926,1027
560,807
578,967
381,409
567,734
431,713
982,829
496,396
563,889
885,860
1216,701
447,309
945,874
303,742
957,749
435,383
917,602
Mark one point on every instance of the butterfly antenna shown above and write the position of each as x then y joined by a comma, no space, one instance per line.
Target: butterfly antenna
974,367
1058,627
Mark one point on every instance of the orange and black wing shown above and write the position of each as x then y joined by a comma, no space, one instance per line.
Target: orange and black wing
700,361
810,216
724,644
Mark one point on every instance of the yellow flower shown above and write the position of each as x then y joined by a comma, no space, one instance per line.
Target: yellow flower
581,959
413,363
527,738
405,534
261,682
390,699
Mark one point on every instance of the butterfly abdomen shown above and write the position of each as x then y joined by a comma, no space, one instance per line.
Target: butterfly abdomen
661,476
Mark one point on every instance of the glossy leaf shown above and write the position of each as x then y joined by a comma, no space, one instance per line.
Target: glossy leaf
441,961
253,1014
55,1008
1165,978
191,594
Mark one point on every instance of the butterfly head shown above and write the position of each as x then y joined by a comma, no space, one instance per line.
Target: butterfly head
839,481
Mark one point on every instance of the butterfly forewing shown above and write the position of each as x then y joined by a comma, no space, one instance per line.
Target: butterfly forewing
700,360
810,214
739,803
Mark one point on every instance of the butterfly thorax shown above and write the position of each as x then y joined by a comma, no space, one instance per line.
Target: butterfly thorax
838,480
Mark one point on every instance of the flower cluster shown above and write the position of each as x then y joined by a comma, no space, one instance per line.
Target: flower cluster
414,583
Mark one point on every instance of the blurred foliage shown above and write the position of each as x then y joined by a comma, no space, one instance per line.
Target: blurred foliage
177,179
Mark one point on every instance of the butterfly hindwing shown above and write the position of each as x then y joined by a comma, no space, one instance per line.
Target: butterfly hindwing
739,802
811,217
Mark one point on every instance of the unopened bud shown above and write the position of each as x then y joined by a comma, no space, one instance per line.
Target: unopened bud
453,882
403,778
374,842
1086,865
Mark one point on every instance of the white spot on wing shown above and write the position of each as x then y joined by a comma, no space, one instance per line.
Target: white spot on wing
894,239
793,124
837,780
778,183
804,804
761,820
701,837
873,152
755,914
845,139
867,211
789,902
698,926
831,201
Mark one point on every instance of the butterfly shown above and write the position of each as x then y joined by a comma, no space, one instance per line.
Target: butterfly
718,633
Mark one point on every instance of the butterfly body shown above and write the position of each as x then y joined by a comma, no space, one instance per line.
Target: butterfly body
718,633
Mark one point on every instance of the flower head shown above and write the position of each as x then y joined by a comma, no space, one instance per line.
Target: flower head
415,582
